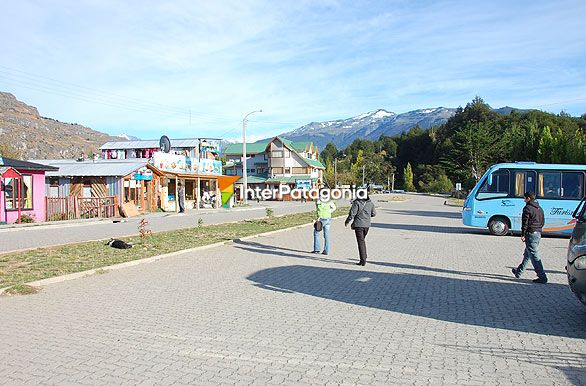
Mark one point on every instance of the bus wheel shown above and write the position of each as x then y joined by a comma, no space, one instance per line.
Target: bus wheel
498,226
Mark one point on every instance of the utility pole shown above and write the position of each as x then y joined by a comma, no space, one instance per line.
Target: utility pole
244,171
363,170
335,172
393,182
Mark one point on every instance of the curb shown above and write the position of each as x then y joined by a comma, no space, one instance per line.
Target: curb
146,260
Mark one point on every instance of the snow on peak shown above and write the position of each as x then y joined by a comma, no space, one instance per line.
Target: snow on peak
382,114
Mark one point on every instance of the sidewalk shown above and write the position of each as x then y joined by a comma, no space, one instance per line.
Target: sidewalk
27,236
436,304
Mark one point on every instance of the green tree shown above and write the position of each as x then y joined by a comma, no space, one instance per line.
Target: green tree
328,153
408,179
545,152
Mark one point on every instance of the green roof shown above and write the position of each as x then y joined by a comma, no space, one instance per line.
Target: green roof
260,147
291,179
313,162
254,179
251,148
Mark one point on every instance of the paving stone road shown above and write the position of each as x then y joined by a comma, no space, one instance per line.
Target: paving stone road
435,305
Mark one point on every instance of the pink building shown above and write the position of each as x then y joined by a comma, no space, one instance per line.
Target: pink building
22,190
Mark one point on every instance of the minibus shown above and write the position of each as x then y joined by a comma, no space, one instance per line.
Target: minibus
496,202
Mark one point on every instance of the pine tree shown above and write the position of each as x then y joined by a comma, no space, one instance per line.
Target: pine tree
408,178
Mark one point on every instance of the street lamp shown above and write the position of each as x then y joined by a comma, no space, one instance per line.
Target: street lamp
336,170
244,171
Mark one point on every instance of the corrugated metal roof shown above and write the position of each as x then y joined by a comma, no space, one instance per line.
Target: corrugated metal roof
99,168
148,144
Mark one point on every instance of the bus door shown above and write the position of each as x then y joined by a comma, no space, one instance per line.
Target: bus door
523,181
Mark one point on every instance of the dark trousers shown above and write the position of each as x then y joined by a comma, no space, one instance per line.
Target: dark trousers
360,236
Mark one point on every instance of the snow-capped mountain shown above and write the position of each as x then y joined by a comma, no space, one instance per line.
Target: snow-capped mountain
368,126
129,137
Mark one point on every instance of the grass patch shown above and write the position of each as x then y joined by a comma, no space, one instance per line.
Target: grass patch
22,289
455,202
18,268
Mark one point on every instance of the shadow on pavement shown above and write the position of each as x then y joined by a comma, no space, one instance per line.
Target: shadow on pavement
559,360
424,213
463,273
541,309
431,228
267,249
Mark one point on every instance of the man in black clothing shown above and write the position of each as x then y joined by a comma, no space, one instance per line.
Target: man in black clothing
531,226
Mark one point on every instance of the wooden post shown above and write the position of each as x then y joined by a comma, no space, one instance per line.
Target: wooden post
197,196
176,195
18,197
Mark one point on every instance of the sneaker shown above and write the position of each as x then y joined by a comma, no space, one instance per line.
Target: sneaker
540,280
315,252
324,253
516,272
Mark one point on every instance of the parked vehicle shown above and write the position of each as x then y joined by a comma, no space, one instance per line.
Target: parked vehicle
496,202
576,263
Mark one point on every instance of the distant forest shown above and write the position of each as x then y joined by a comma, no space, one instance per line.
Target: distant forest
460,150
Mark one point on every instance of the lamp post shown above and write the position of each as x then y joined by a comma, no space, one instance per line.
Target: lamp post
244,171
336,170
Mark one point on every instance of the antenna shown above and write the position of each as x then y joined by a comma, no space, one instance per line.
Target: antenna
165,144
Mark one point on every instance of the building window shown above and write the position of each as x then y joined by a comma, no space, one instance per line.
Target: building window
277,154
26,192
287,170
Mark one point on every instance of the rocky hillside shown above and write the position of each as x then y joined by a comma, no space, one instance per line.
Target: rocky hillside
36,137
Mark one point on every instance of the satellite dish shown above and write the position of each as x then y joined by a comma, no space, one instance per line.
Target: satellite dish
165,144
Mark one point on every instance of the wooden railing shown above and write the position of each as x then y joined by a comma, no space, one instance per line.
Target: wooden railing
70,208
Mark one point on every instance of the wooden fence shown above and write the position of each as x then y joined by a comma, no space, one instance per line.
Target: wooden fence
70,208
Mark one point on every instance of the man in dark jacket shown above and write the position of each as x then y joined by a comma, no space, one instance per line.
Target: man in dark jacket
531,226
360,213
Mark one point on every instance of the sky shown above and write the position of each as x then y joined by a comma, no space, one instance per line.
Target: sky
190,68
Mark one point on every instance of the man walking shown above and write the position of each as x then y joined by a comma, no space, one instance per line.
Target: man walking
531,226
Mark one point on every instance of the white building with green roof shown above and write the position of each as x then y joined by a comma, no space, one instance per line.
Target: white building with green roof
275,162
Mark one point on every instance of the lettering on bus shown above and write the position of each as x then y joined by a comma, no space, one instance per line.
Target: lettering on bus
560,212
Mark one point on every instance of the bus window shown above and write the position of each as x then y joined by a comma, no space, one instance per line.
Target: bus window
498,188
549,185
572,185
524,182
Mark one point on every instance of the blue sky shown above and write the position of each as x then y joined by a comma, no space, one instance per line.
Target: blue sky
190,68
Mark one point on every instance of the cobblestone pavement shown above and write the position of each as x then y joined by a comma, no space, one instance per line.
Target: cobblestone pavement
77,231
436,304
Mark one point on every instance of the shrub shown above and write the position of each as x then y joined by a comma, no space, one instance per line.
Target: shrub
27,218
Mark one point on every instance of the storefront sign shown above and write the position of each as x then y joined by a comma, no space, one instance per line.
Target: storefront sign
210,167
174,162
186,165
142,174
302,184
